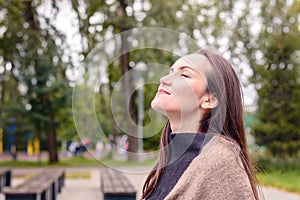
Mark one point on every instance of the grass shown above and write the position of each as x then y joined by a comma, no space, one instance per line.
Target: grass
78,161
285,180
75,175
278,172
68,175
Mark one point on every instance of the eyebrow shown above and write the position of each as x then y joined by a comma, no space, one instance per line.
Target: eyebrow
182,68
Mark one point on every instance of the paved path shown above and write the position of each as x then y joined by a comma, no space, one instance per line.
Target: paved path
82,189
89,188
275,194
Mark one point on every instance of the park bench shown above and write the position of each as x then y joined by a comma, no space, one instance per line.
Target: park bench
43,186
5,177
115,185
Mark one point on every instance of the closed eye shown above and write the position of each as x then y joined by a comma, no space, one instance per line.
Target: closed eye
184,75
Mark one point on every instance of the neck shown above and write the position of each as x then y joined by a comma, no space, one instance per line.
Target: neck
184,124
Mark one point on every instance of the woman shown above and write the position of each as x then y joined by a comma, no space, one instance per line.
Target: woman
203,153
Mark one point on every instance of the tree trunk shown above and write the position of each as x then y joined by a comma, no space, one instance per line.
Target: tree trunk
2,99
50,130
52,142
130,108
129,101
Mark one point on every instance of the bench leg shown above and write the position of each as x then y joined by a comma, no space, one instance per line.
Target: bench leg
8,178
1,182
59,185
46,194
43,195
23,197
54,191
61,182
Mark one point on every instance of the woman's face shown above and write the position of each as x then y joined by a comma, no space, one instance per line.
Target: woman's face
182,90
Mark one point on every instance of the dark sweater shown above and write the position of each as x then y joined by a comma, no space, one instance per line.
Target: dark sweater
183,148
216,173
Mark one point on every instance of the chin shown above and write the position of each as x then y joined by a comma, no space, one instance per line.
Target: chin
158,106
164,108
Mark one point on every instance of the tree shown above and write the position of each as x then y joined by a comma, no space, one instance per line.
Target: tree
276,64
98,20
30,46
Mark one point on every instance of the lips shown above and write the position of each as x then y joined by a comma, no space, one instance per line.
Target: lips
163,91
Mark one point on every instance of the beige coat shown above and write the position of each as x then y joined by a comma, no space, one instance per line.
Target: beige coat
216,173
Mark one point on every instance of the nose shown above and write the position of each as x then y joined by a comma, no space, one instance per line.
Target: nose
165,80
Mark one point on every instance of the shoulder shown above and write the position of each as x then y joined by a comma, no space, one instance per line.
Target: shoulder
219,150
219,161
216,173
217,153
219,157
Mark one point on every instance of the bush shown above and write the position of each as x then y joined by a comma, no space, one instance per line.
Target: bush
269,163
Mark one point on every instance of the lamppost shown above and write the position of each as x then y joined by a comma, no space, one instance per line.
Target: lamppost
140,67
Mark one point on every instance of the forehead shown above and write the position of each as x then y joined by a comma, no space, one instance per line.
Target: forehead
196,61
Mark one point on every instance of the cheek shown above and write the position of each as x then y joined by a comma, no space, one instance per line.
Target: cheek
188,100
184,99
187,94
191,96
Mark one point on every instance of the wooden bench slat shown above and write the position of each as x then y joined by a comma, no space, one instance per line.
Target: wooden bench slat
37,185
115,184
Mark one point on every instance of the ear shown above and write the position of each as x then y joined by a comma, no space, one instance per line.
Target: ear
209,101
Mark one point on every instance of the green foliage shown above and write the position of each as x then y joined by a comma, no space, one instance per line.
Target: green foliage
204,21
78,161
278,172
276,76
34,89
288,180
266,163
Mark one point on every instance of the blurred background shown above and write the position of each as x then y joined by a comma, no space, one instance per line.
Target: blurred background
46,51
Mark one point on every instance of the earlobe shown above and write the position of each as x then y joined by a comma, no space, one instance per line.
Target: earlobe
210,101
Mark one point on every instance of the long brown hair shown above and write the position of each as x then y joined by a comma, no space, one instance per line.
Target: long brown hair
226,118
